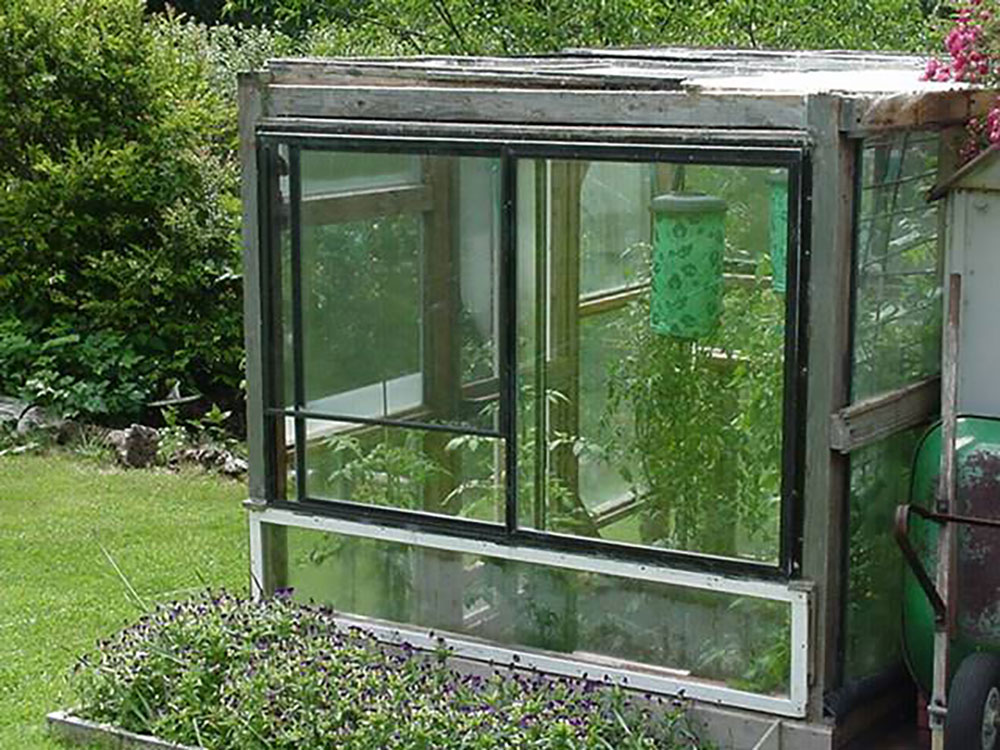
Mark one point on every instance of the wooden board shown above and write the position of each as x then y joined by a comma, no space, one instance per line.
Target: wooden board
494,105
876,418
77,731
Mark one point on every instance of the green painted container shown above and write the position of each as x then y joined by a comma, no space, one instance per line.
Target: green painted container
978,559
777,180
688,245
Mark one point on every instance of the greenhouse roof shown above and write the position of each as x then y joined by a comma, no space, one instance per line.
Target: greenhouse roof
653,69
879,90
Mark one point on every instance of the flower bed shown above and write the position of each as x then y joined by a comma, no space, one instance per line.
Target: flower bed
223,672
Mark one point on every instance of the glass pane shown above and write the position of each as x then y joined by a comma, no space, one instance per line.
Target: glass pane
651,413
410,469
280,350
614,226
329,172
399,294
880,480
739,641
897,320
285,463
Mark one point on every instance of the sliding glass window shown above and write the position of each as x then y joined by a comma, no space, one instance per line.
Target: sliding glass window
651,353
578,349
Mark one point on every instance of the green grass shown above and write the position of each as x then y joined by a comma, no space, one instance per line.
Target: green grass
170,534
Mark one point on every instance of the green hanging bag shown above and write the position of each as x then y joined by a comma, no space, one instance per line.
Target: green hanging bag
778,181
688,247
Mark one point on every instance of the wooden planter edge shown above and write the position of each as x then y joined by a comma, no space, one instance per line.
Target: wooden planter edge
81,731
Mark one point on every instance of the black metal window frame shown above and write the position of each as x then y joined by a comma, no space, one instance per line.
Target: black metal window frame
794,158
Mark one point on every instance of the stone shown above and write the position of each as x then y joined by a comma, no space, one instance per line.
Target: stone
235,466
136,445
212,458
35,420
11,411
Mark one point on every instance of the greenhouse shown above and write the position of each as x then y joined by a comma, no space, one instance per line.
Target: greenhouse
609,363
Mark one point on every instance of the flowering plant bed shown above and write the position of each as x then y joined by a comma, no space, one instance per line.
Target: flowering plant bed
223,672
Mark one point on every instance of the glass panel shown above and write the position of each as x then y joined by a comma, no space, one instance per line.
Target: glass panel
739,641
614,226
280,352
410,469
897,320
604,482
329,172
650,413
399,294
880,480
286,473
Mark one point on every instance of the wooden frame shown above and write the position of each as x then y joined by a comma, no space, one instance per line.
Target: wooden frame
873,419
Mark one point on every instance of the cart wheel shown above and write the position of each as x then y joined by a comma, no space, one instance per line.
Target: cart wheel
974,705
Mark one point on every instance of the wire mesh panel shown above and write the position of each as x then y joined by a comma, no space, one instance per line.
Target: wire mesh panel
897,307
896,342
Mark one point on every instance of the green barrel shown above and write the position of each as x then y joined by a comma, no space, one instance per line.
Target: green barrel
688,247
777,180
977,570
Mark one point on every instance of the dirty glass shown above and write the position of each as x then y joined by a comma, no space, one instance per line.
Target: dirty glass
406,468
897,265
651,355
339,173
399,302
879,481
739,641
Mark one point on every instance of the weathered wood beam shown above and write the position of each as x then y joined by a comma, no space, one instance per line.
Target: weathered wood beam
533,106
926,109
689,135
831,229
878,417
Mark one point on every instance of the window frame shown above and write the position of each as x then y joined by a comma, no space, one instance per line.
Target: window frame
793,156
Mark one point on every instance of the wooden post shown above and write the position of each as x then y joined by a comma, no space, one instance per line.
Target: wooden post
566,179
828,357
261,442
945,626
439,576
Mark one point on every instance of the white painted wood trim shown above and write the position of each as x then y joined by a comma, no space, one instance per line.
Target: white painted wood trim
648,679
256,556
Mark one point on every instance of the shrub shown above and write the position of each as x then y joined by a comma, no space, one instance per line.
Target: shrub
120,216
224,672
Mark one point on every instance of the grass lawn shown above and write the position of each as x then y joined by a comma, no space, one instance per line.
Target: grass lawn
169,534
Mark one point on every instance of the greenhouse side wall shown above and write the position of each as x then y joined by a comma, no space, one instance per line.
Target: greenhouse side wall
896,344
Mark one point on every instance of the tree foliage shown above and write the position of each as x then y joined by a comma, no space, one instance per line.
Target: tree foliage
120,217
501,27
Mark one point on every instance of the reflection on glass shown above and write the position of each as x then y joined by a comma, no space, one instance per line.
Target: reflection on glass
614,226
880,480
739,641
406,468
636,433
897,317
332,172
399,307
286,469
